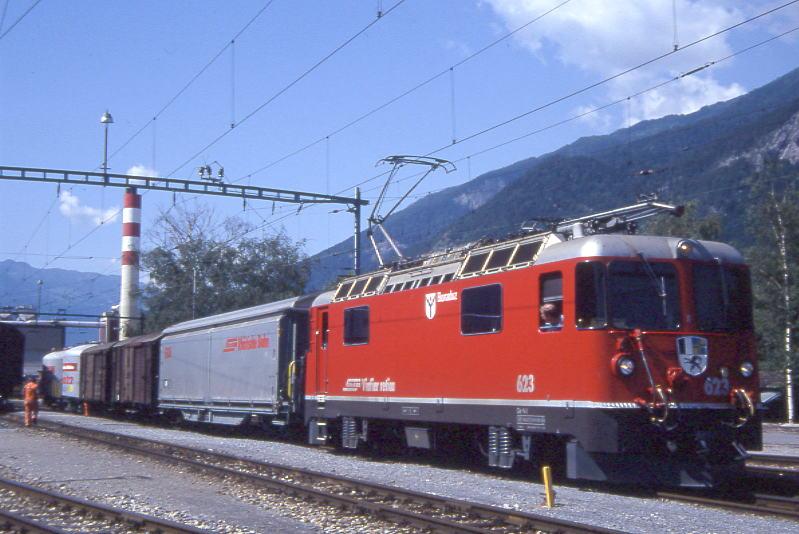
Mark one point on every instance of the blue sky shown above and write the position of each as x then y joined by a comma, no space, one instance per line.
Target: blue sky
65,63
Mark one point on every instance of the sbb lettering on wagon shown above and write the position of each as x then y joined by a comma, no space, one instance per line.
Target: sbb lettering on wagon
235,344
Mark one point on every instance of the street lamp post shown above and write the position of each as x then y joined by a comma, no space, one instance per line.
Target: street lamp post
106,119
39,284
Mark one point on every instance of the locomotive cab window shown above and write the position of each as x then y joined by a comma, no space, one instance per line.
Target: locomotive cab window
481,310
591,308
722,298
550,309
643,294
356,325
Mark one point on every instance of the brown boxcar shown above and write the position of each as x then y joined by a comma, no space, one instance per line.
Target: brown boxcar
12,349
96,373
134,364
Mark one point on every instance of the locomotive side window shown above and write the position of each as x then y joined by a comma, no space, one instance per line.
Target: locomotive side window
481,310
591,309
356,325
551,302
643,295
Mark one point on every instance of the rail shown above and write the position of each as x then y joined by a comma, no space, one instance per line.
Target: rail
58,502
405,507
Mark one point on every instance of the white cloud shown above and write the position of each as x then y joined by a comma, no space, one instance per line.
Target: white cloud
589,115
685,96
607,37
70,207
141,170
458,46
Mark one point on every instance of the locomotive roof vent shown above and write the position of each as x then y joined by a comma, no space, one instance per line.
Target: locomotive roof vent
500,257
360,287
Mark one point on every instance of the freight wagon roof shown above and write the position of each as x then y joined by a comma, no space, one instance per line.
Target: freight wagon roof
247,314
652,247
100,348
138,340
71,351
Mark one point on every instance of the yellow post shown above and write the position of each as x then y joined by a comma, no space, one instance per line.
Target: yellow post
546,474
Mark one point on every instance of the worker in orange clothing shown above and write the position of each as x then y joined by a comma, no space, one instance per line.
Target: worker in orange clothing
30,396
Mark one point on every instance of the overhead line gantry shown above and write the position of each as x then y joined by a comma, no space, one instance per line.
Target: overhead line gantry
131,213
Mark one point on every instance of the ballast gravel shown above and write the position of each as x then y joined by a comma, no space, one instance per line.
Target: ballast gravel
129,482
781,439
595,507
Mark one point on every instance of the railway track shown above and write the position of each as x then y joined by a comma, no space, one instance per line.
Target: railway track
404,507
758,503
30,509
758,460
779,475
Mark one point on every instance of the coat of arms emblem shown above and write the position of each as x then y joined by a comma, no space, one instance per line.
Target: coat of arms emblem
692,353
430,300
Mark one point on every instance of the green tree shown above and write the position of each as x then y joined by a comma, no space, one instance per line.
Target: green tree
691,225
199,267
774,258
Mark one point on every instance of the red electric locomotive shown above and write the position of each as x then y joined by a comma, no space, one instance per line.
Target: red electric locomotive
630,357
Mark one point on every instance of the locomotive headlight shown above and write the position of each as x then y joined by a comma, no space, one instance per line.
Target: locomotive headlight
724,372
684,248
625,366
746,369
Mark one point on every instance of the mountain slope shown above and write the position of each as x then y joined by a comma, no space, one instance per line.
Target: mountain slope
61,289
705,156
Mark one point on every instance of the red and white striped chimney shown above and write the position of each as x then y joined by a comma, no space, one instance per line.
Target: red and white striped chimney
129,312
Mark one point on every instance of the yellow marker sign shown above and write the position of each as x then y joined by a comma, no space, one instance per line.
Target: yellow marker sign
546,474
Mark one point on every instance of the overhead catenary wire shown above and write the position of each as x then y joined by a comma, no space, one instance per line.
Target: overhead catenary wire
408,91
540,130
608,79
604,81
284,89
272,223
191,81
3,15
19,19
571,118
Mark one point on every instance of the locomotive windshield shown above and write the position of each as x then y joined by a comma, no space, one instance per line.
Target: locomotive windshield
643,295
628,294
722,298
